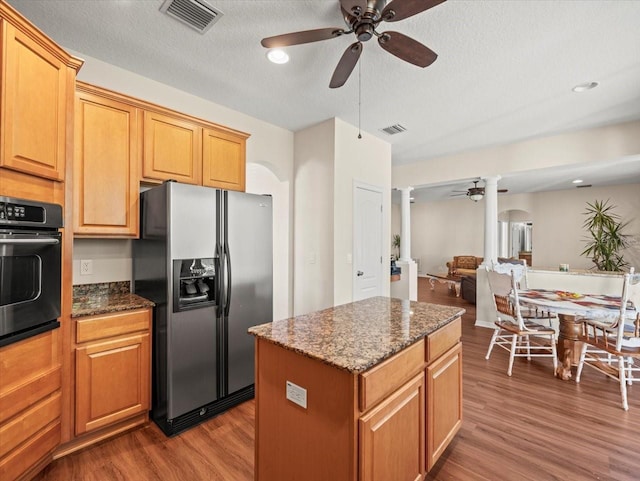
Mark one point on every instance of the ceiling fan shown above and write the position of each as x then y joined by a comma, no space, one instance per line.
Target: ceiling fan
475,193
362,18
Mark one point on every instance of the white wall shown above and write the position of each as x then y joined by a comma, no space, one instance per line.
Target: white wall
440,230
558,235
261,180
314,149
329,158
366,160
111,260
592,145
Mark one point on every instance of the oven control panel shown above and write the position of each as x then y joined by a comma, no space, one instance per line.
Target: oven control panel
28,213
17,212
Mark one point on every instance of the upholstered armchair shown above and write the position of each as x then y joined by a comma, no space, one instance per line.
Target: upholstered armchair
464,265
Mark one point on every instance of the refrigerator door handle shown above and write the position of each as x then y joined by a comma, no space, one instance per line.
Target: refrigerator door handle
227,257
219,283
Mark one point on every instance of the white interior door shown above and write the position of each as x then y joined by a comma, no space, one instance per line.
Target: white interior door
367,242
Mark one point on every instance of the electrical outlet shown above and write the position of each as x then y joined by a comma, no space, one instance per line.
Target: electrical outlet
297,394
86,267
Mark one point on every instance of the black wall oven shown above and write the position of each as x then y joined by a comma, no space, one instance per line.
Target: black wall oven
30,268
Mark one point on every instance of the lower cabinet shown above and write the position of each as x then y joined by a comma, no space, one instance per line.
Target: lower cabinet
444,409
30,406
113,370
392,441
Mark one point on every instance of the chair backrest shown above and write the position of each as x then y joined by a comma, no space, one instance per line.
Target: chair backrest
505,295
629,327
515,267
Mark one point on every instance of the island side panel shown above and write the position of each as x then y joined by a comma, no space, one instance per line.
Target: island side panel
318,443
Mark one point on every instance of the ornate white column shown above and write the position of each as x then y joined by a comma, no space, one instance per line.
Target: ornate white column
405,237
490,219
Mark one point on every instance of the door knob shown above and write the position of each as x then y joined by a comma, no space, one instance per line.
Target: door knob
360,273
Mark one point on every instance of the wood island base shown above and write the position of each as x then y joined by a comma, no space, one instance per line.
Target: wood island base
392,421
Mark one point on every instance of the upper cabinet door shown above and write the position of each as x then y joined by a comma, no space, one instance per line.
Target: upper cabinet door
224,159
172,149
34,102
107,155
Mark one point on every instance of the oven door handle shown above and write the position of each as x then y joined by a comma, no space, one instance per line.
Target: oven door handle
39,241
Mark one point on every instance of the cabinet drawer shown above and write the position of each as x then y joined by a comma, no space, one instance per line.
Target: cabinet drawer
443,339
27,455
100,327
386,377
29,423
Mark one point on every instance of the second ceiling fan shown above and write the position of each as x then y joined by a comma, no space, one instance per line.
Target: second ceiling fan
475,193
362,18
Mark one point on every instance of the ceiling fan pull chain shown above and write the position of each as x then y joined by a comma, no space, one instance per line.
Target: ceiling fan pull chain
359,98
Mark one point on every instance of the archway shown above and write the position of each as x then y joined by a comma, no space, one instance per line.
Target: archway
515,233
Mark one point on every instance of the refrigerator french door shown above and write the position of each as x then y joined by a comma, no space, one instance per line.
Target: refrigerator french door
205,258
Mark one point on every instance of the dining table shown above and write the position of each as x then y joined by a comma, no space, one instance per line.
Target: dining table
571,308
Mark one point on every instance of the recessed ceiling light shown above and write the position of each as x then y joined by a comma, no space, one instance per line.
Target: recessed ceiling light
585,86
277,56
578,181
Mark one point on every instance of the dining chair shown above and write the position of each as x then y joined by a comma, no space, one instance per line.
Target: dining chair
522,337
518,269
613,346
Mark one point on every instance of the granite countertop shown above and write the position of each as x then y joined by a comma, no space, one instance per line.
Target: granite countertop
358,335
104,298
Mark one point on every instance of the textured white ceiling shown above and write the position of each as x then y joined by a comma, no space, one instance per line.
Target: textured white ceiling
504,72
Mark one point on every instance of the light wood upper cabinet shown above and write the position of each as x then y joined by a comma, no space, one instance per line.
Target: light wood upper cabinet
172,149
107,155
37,92
224,159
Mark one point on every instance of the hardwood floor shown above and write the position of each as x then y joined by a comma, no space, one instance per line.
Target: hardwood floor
530,427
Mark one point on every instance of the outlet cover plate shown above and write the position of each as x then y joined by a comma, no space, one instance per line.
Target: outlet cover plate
86,267
297,394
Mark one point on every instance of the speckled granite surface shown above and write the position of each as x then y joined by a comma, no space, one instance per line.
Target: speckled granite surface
358,335
106,297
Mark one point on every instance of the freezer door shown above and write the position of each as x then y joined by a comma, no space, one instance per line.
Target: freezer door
249,253
192,221
192,361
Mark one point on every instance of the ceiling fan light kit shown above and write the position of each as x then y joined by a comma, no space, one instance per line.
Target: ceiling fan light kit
476,193
476,196
362,17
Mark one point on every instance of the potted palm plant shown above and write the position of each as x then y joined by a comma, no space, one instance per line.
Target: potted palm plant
396,244
606,239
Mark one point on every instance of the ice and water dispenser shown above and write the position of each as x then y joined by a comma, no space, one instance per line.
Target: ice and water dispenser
194,283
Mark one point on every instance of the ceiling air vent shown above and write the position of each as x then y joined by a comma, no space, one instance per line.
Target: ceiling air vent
197,14
393,129
583,186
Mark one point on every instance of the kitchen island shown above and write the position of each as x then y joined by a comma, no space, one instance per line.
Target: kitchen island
362,391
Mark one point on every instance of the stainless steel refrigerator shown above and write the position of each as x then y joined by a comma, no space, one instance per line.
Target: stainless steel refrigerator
205,258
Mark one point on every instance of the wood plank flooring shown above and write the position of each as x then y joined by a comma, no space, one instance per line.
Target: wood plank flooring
530,427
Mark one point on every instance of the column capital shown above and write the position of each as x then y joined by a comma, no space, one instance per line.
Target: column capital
491,179
404,189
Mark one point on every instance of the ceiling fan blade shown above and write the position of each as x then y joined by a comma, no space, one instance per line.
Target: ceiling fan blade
297,38
346,64
401,9
407,49
354,7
